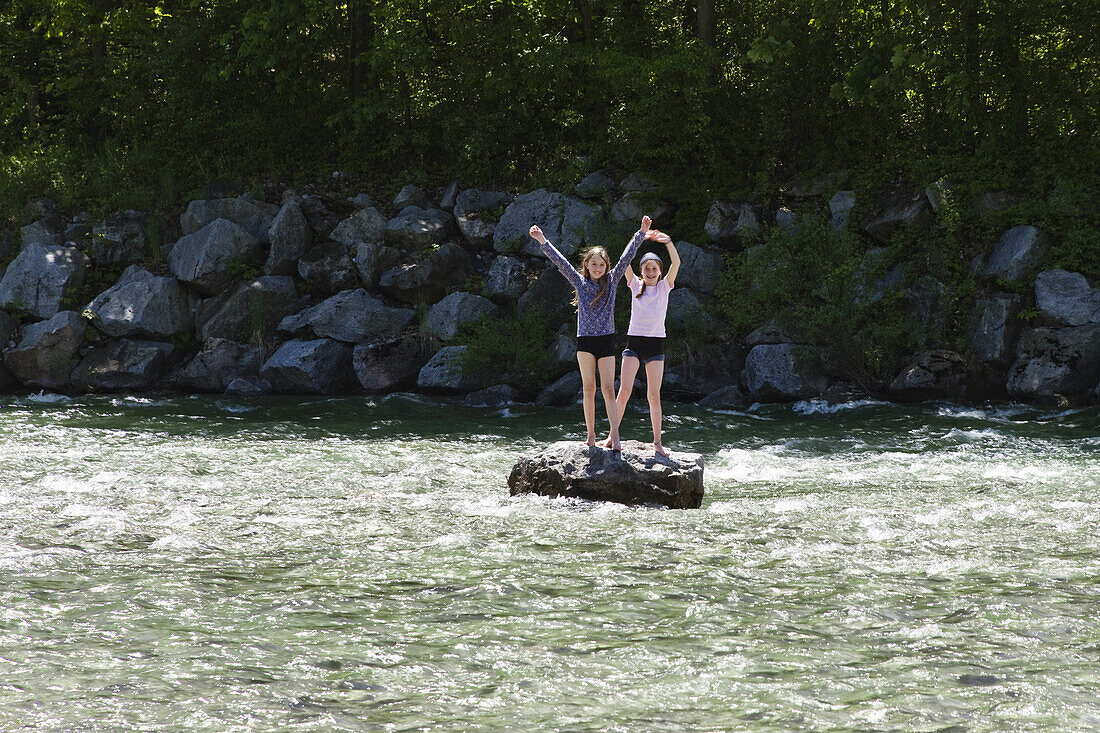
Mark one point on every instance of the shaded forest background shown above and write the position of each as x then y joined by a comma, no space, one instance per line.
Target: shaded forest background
119,103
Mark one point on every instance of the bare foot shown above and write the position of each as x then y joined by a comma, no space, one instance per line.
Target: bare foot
661,450
591,442
606,442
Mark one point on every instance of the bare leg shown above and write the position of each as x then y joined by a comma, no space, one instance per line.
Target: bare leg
654,373
607,386
626,386
587,364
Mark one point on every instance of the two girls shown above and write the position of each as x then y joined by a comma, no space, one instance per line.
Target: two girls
595,301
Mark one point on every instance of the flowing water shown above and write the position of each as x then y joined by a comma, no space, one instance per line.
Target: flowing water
358,564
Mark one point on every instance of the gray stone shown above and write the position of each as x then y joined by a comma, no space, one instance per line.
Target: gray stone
351,316
249,387
416,228
632,206
411,195
144,305
551,294
253,216
426,280
565,391
365,225
582,225
541,207
896,210
840,209
444,372
931,375
730,397
635,476
699,269
323,221
328,268
732,222
207,259
218,363
252,311
940,194
784,372
318,366
447,317
870,281
371,260
46,353
477,213
596,185
1067,298
119,240
703,370
290,237
992,328
388,366
1056,361
686,312
1018,254
564,349
634,183
46,232
787,220
925,303
124,366
39,278
361,200
450,196
769,333
495,396
506,280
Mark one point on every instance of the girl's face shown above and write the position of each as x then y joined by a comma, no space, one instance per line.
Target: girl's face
651,272
596,265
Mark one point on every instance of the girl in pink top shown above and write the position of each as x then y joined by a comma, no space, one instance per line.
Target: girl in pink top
645,339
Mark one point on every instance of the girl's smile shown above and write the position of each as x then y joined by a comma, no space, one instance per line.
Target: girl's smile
596,268
651,273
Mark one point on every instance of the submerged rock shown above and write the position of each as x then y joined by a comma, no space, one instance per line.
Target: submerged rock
636,476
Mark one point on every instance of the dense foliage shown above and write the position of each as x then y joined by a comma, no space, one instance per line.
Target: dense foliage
110,103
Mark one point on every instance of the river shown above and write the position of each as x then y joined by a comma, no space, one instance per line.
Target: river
357,564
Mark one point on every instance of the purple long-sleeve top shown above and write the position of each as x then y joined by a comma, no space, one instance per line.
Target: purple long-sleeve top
594,319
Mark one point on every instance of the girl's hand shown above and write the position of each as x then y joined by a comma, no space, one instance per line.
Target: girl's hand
536,233
646,224
658,236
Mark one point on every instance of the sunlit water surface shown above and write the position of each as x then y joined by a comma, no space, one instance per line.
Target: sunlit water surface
358,564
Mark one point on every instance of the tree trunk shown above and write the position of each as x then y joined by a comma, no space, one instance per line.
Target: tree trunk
360,39
704,22
587,26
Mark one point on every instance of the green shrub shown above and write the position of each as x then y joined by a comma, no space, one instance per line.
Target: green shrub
515,350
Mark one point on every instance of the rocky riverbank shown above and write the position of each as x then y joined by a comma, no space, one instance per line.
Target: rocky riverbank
316,294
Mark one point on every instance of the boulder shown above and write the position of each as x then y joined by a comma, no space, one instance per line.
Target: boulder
564,391
119,240
940,193
506,280
840,209
249,387
632,206
925,303
290,237
477,213
540,207
636,476
1055,361
371,260
351,316
871,281
427,279
564,349
211,258
705,370
46,353
411,195
317,366
731,397
787,220
365,225
635,183
582,225
937,374
8,329
596,185
46,232
449,196
361,200
253,310
769,333
416,228
125,365
783,372
388,366
144,305
446,317
218,363
732,222
444,372
495,396
551,294
255,217
699,269
328,268
1066,298
323,220
40,277
686,312
992,328
1018,254
896,210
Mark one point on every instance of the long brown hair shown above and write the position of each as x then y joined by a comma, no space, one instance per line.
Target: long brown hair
589,254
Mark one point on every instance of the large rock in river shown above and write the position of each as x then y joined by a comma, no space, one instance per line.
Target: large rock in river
636,476
40,277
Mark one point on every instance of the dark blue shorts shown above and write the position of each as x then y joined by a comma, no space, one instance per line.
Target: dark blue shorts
645,348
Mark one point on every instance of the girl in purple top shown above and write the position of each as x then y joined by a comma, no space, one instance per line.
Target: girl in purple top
645,339
594,288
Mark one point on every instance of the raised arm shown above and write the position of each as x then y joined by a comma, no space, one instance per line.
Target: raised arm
629,274
674,266
557,258
630,251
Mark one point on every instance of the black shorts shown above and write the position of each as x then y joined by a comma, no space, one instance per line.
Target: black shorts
597,346
645,348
